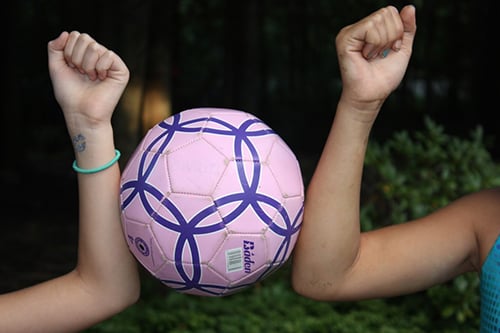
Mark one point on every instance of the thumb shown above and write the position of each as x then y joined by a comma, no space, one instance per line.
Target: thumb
407,15
56,46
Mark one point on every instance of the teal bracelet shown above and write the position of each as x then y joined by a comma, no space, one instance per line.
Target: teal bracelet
100,168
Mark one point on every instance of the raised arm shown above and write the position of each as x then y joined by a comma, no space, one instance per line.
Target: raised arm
88,81
333,260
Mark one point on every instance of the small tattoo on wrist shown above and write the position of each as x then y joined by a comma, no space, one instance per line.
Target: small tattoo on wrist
79,142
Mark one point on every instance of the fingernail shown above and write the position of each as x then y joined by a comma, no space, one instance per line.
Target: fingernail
384,53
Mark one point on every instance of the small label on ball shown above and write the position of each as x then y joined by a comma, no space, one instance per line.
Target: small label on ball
234,260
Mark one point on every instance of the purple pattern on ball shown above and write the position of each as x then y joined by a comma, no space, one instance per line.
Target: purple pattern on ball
212,201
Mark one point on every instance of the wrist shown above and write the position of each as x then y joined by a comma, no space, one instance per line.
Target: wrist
91,131
78,122
93,147
360,111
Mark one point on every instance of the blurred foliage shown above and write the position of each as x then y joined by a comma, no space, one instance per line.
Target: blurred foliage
271,306
413,174
409,175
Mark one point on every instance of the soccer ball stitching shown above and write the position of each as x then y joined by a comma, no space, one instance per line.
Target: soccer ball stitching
187,229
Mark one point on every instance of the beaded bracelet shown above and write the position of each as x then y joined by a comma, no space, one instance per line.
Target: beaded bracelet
100,168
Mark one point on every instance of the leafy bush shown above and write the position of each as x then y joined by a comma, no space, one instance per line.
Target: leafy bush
270,306
412,175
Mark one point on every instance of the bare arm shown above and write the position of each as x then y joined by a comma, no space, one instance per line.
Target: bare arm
332,259
88,81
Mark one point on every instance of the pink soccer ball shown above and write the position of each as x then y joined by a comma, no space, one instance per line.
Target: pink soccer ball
212,201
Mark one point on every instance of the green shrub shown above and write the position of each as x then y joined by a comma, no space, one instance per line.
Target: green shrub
270,306
414,174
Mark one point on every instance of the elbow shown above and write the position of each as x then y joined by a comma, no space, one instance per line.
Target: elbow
115,296
300,288
126,297
134,296
308,286
125,292
130,297
310,292
116,301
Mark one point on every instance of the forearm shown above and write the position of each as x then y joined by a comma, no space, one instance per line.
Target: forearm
88,80
105,279
373,55
329,239
104,262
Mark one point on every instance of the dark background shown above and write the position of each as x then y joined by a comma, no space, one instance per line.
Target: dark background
275,59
